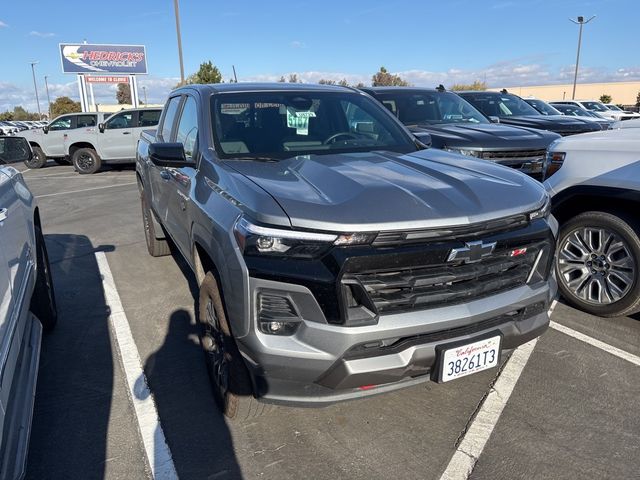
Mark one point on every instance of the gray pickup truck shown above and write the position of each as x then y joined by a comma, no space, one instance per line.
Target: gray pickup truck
336,256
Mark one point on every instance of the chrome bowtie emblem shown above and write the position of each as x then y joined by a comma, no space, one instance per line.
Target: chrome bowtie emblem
471,252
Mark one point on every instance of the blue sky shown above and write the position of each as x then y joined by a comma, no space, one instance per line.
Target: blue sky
428,42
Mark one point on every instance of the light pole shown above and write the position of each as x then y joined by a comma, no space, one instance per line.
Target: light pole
144,90
580,21
177,12
46,85
35,86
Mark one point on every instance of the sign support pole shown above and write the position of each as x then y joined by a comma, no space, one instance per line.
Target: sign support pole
82,90
133,85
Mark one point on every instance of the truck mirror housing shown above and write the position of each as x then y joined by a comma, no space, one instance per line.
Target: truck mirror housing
494,119
168,155
14,149
45,129
101,127
424,138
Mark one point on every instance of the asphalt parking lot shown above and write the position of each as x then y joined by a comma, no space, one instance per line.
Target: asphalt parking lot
573,412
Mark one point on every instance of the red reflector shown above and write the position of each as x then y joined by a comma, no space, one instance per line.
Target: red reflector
367,387
517,252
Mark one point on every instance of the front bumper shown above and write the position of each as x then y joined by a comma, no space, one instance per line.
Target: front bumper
323,363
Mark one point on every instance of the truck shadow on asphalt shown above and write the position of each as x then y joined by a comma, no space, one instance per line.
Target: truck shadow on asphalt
76,376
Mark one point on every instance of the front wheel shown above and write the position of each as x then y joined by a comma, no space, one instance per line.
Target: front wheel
38,160
229,377
598,262
86,161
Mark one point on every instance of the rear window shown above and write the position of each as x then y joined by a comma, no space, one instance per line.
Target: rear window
84,121
149,118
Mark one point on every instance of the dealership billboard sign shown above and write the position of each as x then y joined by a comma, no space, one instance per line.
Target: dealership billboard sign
103,59
106,79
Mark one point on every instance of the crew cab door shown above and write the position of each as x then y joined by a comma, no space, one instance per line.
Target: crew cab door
181,180
117,141
145,120
159,177
53,141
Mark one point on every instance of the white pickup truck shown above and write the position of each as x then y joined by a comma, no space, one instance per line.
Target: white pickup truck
88,145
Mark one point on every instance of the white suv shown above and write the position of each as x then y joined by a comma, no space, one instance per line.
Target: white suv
594,182
598,107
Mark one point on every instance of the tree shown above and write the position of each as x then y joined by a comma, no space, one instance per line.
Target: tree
323,81
19,113
4,116
385,79
293,78
604,98
207,73
477,85
123,94
282,79
62,105
638,100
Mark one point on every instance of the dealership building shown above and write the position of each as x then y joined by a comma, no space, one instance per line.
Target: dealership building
622,93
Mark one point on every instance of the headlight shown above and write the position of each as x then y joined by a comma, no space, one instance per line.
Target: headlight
543,211
258,240
553,162
464,151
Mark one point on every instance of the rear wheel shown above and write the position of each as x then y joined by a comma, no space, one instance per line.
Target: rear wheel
230,380
43,301
38,160
157,247
598,262
86,161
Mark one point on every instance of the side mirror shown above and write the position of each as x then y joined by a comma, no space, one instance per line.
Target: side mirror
494,119
45,129
423,138
14,149
168,155
101,127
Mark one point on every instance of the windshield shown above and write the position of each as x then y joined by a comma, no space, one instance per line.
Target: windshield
500,105
595,106
416,108
573,111
543,107
284,124
615,108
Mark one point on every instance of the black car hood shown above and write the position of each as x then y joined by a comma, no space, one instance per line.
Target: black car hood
555,123
486,136
377,191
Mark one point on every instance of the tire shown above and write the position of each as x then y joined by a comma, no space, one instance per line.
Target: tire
229,376
43,300
157,247
598,263
62,161
86,161
38,160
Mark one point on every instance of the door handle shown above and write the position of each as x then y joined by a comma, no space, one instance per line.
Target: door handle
4,213
126,133
165,175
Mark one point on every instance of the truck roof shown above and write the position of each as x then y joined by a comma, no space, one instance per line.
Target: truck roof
398,89
264,86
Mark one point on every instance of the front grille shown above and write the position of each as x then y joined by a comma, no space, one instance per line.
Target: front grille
469,232
517,156
430,286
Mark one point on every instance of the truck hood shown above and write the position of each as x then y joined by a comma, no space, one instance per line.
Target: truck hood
555,123
378,191
486,136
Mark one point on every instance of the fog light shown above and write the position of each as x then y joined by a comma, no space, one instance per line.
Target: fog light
279,327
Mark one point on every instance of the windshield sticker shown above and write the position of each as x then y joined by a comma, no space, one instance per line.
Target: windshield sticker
299,120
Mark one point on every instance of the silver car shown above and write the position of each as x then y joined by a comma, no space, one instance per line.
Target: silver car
27,306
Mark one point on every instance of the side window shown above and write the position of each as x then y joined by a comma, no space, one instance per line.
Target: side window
120,120
85,121
62,123
169,117
188,127
148,118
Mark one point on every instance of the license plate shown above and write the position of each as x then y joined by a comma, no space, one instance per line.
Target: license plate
462,360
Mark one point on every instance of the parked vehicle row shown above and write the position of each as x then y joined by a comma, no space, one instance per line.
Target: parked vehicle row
601,109
88,141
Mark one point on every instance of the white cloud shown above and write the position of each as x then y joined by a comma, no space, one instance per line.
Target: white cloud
35,33
2,24
298,44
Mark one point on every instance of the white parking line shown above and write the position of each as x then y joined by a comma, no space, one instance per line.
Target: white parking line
153,439
629,357
476,437
86,190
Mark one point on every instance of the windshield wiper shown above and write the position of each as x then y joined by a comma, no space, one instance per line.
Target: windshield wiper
257,158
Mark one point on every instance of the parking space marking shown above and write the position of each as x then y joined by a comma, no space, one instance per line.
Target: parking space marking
475,438
86,189
629,357
153,439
